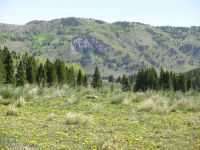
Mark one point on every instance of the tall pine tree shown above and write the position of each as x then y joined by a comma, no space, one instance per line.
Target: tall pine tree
96,82
2,70
85,80
50,73
9,68
40,75
125,84
79,80
20,76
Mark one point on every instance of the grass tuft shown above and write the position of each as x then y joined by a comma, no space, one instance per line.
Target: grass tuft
12,110
77,118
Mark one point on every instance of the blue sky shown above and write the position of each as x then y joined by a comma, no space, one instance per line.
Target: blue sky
153,12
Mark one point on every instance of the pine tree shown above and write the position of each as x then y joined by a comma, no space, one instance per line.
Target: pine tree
140,81
31,70
50,73
189,84
2,71
85,80
20,76
71,77
182,83
111,78
79,78
61,71
96,82
118,80
40,75
125,84
9,68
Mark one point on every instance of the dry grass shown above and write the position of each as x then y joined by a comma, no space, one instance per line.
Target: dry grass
12,110
186,105
96,108
51,116
21,102
77,118
155,104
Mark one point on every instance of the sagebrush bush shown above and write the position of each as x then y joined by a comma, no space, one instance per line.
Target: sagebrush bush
12,110
96,108
20,102
154,105
186,105
77,118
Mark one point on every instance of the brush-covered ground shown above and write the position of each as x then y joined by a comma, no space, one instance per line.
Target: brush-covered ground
84,118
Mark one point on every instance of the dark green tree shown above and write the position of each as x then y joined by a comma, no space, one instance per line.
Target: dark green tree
2,71
118,80
125,84
71,77
50,73
182,83
85,80
61,71
20,75
111,78
31,70
40,75
79,80
96,82
9,68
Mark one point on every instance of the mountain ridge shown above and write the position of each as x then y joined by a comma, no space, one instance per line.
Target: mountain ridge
117,48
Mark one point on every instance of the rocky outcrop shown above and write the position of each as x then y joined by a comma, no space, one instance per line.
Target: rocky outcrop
87,44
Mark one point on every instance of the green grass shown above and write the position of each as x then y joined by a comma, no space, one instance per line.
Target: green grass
53,119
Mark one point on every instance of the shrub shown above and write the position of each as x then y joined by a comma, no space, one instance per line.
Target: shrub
20,102
154,105
11,110
186,105
77,118
96,108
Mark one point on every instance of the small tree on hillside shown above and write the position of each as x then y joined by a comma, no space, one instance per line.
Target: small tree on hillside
40,75
20,76
9,69
97,82
125,84
2,71
111,78
85,80
79,80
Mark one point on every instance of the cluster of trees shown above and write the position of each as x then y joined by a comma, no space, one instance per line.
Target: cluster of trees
148,79
26,69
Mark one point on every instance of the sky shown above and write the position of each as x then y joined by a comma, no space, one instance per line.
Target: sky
153,12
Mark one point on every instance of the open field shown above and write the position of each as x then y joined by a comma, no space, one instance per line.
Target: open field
66,118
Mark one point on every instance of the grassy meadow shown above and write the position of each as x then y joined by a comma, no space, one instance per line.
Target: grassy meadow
84,118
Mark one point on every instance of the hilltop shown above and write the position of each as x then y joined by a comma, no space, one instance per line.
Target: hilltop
117,48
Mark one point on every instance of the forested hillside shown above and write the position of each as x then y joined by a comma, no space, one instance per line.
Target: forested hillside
117,48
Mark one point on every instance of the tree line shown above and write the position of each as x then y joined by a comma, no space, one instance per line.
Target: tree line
149,79
19,70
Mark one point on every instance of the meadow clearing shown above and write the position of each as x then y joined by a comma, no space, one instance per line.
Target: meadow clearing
85,118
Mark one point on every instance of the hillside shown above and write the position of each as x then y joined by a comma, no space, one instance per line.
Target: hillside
117,48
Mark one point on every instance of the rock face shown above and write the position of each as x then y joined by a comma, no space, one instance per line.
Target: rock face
87,44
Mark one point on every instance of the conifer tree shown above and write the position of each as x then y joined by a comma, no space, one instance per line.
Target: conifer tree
182,83
79,78
118,80
2,71
85,80
40,75
61,71
31,70
20,76
111,78
96,82
50,73
9,68
71,77
125,84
